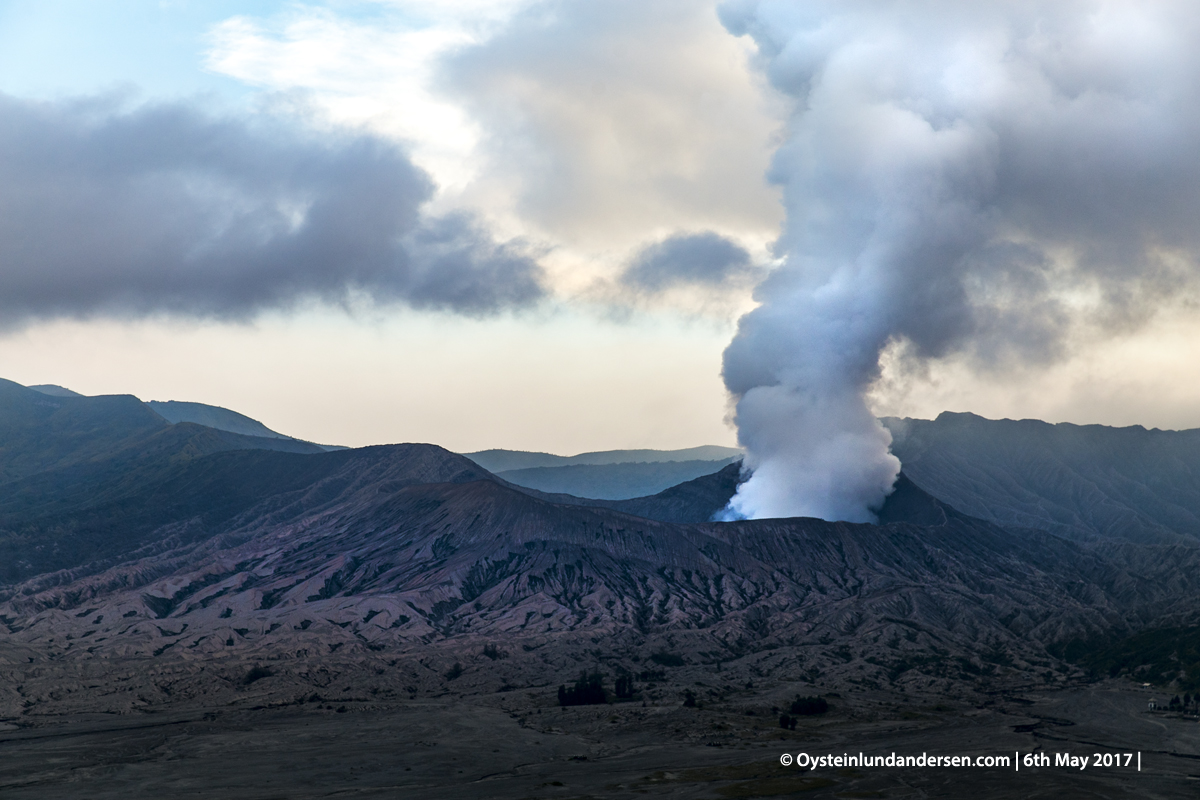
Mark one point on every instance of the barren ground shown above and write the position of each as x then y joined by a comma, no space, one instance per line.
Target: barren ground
518,744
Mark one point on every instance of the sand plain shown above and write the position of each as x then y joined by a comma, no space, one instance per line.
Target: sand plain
518,744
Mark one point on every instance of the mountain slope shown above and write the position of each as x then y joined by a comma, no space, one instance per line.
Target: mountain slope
1081,481
221,419
87,478
39,432
611,481
697,500
365,558
213,417
54,390
86,518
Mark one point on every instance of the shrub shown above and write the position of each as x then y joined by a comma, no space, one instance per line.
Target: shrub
454,672
689,698
492,652
663,658
256,673
808,706
587,691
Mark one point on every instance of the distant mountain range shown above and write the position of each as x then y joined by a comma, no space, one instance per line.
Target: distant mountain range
173,411
607,474
54,390
613,481
213,416
498,461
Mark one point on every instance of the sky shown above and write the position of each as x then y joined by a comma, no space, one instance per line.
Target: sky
536,224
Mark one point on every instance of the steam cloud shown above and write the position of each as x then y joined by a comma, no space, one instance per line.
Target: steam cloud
979,179
164,209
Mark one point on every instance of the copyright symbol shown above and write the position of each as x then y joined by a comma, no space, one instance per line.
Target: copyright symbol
786,760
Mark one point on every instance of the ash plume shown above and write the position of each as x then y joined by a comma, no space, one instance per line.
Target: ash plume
992,181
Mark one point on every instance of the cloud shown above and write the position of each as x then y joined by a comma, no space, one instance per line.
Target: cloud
373,72
706,258
592,129
991,182
604,125
163,208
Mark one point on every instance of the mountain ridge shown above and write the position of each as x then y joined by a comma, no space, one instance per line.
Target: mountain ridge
1079,481
497,461
174,411
618,481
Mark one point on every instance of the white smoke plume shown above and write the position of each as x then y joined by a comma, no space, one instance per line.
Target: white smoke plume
991,180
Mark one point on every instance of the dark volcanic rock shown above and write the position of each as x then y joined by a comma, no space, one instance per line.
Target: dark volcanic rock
41,432
84,519
88,479
366,558
697,500
1080,481
909,503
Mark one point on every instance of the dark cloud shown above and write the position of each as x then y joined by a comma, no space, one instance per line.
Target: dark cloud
696,258
456,264
166,209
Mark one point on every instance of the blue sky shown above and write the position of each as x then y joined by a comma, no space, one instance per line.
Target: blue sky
55,47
